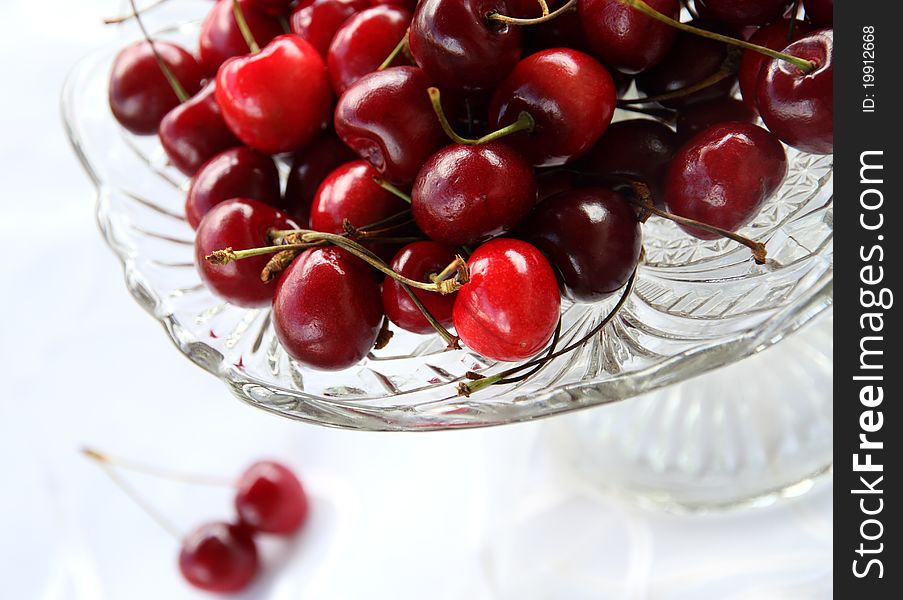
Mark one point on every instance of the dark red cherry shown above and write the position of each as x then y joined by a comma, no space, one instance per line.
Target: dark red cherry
571,98
327,310
696,117
724,175
194,132
277,100
820,12
386,118
139,93
317,21
624,38
775,36
220,38
219,557
240,224
274,8
310,167
418,261
270,498
799,107
633,150
743,12
468,194
362,44
510,307
235,173
459,48
591,236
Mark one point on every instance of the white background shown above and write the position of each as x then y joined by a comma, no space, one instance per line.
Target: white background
466,514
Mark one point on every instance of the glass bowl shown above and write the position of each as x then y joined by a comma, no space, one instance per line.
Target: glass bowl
696,305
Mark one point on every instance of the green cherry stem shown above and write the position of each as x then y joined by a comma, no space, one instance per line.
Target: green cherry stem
729,68
398,49
391,188
547,16
171,78
524,122
244,28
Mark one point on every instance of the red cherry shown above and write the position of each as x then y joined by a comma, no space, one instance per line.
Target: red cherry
459,48
696,117
240,223
418,261
386,118
468,194
139,93
743,12
571,98
194,132
220,38
775,37
820,12
270,498
799,107
219,557
327,310
277,100
235,173
310,167
274,8
317,21
624,38
510,307
362,44
724,175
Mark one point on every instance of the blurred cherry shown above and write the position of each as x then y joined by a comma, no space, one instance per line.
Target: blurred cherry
270,498
219,557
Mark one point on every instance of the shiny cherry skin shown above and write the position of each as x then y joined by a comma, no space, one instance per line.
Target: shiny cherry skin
234,173
468,194
277,100
624,38
386,118
139,95
418,261
820,12
696,117
269,498
273,8
799,107
459,48
633,150
775,37
509,309
194,132
310,167
220,38
571,98
327,310
219,557
317,21
240,223
591,236
362,44
724,175
743,12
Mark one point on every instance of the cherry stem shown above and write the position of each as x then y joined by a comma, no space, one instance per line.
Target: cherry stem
283,22
547,16
171,78
391,188
525,122
398,49
664,114
806,66
244,28
133,14
133,465
228,255
728,68
544,6
793,13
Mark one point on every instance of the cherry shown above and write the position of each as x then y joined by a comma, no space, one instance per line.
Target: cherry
633,150
273,8
386,118
362,44
723,175
571,98
270,498
194,132
798,107
774,36
459,48
235,173
510,307
240,223
418,261
591,236
743,12
317,21
277,100
820,12
696,117
310,167
625,38
140,94
327,310
221,39
219,557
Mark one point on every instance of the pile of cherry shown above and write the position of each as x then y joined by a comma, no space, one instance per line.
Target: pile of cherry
420,133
